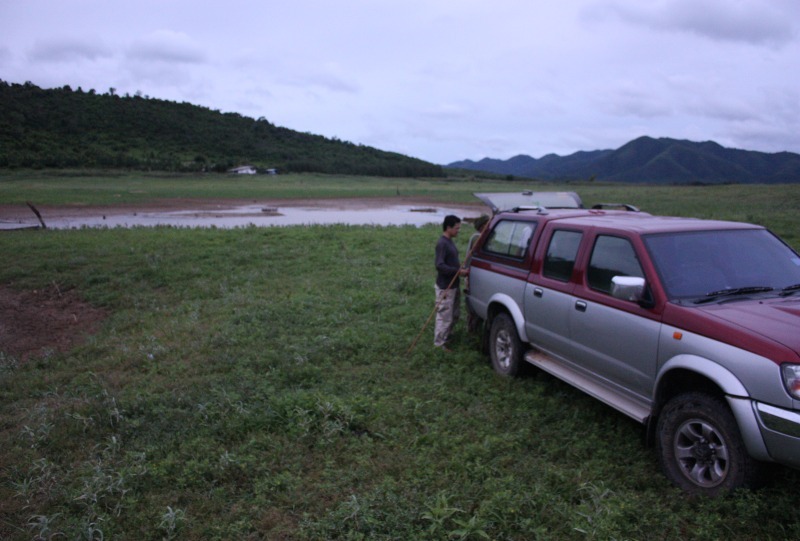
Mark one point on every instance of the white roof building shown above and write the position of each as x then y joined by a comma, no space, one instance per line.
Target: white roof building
243,170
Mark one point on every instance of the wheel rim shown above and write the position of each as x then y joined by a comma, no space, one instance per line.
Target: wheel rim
503,349
702,453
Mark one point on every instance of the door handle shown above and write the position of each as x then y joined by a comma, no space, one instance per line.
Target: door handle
580,306
538,292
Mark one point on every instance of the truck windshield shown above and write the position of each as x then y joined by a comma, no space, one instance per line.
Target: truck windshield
705,264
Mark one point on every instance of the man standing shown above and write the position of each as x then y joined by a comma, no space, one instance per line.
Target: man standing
448,270
480,223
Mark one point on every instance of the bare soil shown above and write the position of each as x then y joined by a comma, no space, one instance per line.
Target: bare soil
44,321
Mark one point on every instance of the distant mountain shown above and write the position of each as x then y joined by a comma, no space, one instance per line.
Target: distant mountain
654,161
66,128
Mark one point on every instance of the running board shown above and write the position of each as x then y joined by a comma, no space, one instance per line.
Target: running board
631,408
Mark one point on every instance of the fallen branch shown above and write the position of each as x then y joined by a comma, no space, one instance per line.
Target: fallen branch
36,212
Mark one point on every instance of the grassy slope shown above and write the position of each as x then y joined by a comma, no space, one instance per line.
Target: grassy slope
248,384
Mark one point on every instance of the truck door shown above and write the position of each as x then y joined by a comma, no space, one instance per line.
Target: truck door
548,297
615,339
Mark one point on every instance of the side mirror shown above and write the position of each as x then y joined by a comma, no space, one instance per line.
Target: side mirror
628,288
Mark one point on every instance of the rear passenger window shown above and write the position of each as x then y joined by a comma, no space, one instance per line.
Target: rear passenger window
561,253
611,256
510,239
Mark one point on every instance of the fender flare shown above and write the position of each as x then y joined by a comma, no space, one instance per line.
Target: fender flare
721,376
510,306
736,396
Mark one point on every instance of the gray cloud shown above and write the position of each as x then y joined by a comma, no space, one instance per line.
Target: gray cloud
423,78
749,21
68,50
329,77
761,136
167,46
636,101
730,109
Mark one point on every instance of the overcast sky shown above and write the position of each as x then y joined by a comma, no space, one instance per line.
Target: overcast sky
441,80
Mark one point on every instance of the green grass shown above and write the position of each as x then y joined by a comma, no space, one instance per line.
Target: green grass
254,384
774,206
97,188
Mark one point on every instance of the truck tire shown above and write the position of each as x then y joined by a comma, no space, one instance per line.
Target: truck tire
505,347
700,448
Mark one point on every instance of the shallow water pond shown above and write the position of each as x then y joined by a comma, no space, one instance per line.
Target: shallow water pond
255,215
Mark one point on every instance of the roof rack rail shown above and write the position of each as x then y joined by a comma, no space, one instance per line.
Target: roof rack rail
538,209
625,206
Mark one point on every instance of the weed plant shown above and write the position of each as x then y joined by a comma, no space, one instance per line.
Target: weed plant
256,383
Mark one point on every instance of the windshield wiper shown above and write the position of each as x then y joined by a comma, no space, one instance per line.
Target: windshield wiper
732,291
789,290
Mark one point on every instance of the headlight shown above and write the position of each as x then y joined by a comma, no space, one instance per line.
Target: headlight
791,378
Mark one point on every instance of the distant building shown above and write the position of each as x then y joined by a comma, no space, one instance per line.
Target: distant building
243,170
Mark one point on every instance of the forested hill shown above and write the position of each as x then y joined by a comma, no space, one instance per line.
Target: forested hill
656,161
63,128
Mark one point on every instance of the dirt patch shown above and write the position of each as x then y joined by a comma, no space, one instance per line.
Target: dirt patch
40,322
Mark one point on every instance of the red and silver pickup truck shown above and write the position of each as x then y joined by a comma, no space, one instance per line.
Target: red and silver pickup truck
689,326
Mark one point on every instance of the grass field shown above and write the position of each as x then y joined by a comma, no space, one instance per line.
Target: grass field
772,205
255,384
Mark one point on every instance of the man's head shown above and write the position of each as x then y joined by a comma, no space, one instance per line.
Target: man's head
451,225
480,222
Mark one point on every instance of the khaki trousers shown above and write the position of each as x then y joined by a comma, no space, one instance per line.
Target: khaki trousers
448,310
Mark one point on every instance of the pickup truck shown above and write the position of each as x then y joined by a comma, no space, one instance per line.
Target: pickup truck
691,327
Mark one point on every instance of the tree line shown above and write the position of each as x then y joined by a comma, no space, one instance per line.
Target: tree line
66,128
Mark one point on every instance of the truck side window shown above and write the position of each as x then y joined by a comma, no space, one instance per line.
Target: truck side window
611,256
561,253
510,239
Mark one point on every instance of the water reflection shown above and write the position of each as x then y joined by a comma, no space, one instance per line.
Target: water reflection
260,216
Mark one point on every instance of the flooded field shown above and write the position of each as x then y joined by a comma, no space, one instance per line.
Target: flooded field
258,215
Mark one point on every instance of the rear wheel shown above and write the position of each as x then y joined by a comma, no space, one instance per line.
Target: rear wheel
505,347
700,448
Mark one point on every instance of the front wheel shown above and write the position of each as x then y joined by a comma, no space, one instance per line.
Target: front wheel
700,448
505,347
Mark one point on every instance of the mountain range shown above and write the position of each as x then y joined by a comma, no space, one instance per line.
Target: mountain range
66,128
652,161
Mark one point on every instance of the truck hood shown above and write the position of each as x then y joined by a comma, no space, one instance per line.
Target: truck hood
776,319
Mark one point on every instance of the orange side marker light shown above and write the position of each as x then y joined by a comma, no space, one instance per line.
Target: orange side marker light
677,335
